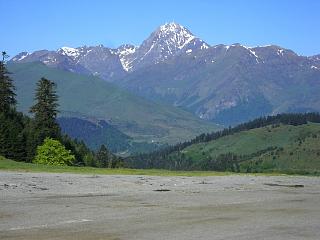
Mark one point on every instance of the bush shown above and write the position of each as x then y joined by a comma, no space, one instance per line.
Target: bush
52,152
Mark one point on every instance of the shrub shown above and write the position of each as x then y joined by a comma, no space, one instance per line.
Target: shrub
52,152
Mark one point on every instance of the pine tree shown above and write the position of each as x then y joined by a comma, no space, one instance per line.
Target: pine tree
7,95
12,137
102,157
45,112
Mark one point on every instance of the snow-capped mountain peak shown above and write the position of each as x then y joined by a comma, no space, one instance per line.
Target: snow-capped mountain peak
167,41
175,34
170,26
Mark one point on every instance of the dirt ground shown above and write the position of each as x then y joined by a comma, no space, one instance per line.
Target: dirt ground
70,206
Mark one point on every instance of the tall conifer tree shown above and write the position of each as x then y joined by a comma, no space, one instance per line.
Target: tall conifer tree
45,112
12,138
7,94
45,109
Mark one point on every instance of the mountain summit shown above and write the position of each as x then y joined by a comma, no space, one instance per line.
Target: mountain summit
165,42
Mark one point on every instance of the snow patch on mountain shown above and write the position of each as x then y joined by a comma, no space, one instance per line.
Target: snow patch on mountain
70,52
21,56
251,52
125,53
280,52
204,46
50,60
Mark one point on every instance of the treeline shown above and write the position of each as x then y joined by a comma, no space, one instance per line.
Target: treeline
178,161
39,139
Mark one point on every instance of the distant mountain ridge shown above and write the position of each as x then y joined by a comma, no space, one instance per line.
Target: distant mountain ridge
227,84
165,42
232,84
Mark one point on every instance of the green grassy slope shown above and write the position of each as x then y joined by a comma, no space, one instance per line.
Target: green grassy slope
92,97
283,148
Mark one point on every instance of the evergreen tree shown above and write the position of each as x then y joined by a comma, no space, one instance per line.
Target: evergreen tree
84,156
102,157
45,112
7,95
12,138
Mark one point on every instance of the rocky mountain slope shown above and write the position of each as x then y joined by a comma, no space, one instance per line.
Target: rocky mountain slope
232,84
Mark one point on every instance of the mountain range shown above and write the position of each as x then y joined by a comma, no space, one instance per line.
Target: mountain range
226,84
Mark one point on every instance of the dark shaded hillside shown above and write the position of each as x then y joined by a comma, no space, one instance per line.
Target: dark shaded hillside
97,132
94,134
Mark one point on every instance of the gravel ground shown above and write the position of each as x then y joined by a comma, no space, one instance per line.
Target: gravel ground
70,206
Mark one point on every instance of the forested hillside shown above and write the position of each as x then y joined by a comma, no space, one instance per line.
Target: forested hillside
97,132
283,143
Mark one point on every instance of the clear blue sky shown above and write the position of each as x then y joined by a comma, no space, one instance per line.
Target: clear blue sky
29,25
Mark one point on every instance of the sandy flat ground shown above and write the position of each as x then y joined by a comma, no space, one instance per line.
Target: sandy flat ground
71,206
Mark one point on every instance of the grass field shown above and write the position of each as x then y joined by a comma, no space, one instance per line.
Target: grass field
9,165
